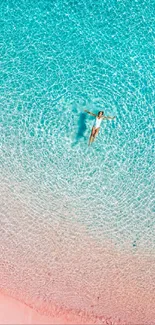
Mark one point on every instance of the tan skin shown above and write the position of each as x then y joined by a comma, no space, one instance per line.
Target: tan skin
95,131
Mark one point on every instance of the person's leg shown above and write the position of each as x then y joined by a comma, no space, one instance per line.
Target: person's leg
96,132
91,139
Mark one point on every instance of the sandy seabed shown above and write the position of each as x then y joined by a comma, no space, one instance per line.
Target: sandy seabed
57,269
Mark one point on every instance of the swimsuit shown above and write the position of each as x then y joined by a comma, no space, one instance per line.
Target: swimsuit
97,123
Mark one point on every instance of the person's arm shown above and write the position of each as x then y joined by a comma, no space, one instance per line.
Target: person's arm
90,113
109,117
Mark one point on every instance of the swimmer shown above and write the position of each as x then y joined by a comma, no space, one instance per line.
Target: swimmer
96,126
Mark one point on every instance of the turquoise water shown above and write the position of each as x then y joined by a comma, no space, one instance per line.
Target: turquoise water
58,58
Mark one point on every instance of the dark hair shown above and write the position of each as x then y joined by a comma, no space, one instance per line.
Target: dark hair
100,112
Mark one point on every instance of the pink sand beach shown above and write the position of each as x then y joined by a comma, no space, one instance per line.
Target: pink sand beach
13,311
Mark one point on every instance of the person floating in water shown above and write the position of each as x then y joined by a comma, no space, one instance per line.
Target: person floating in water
96,126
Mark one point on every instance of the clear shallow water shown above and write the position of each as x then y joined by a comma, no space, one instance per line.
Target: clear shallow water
58,58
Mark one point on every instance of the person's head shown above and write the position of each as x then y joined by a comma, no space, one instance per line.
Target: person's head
100,113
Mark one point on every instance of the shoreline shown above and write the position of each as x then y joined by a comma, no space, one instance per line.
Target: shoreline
21,313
